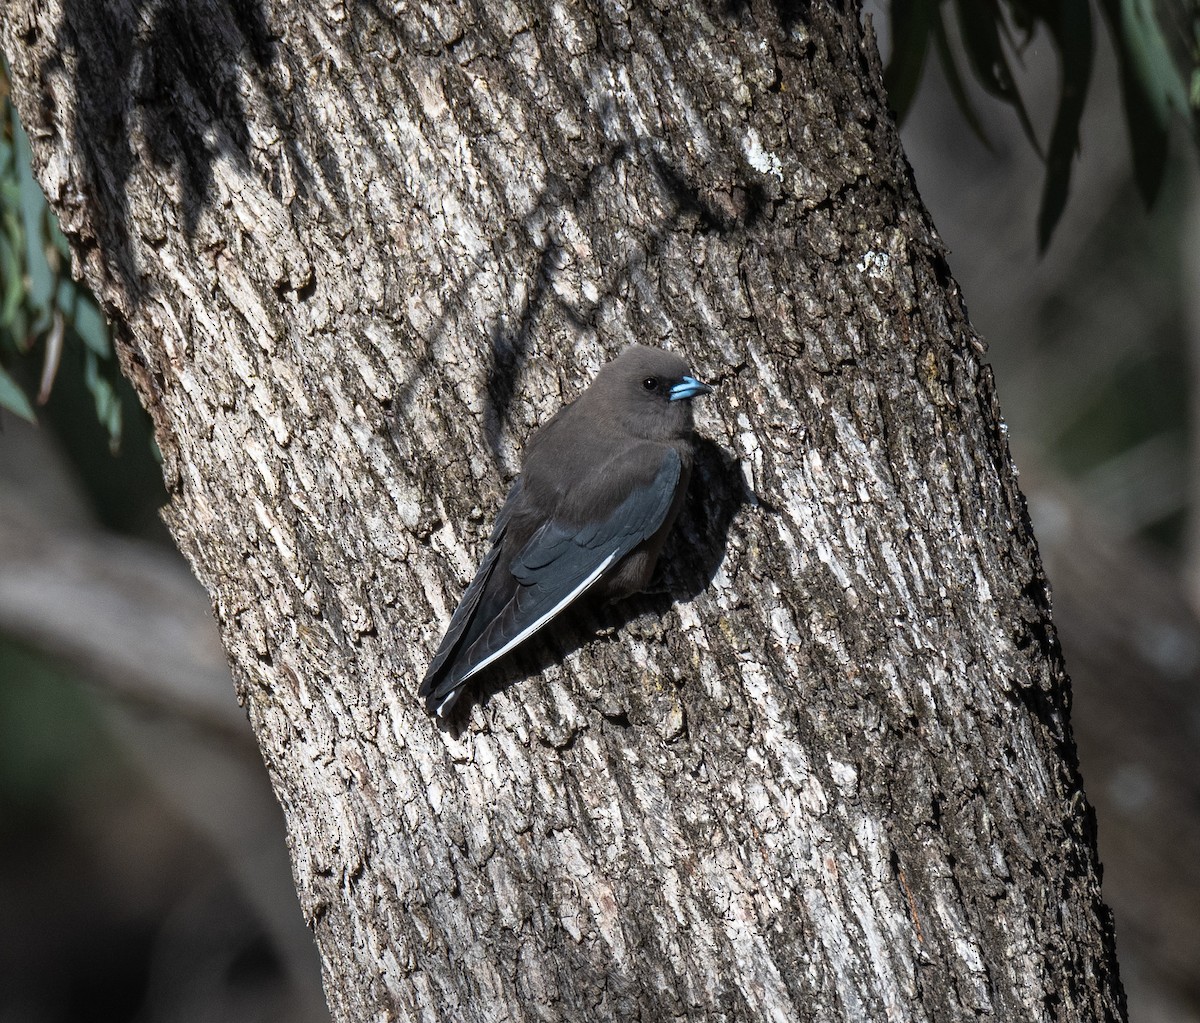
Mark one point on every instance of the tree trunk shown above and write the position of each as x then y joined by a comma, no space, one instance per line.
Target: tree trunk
352,257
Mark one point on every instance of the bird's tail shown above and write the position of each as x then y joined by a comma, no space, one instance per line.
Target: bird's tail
443,682
440,701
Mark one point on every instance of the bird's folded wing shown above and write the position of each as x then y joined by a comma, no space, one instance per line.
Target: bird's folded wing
561,563
470,600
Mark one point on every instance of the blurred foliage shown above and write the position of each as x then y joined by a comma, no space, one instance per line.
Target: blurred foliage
43,312
114,909
50,732
1158,53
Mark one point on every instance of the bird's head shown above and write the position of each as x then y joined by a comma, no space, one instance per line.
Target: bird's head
649,393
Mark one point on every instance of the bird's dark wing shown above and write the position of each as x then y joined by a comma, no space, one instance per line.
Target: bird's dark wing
467,607
558,565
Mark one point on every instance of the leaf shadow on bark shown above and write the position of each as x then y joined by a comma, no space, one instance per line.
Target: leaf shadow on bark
726,199
689,562
166,77
509,350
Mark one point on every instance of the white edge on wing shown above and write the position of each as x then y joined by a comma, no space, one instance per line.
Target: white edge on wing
524,634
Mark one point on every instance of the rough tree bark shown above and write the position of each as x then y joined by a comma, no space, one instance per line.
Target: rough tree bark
353,253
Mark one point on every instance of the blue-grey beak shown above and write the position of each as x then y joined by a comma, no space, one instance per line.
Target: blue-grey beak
688,387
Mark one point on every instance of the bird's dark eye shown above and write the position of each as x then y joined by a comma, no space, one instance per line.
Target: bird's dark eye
650,383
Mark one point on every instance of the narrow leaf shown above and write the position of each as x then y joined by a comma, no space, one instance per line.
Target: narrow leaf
13,398
954,80
54,347
57,238
108,405
10,280
1148,133
1150,60
90,325
912,24
981,21
1071,27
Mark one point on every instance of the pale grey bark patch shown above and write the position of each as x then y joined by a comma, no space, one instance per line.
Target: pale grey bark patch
352,270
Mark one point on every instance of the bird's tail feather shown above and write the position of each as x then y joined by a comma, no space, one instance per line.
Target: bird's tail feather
442,669
441,704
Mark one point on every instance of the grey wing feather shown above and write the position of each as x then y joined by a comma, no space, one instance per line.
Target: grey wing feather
506,511
465,611
557,566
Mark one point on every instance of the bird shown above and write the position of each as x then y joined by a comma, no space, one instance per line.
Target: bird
601,485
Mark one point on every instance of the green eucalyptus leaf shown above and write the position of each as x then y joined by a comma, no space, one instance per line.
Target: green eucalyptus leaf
104,395
57,238
32,209
981,22
912,24
20,333
39,279
1071,28
1150,60
13,398
10,280
1148,133
34,286
954,80
91,326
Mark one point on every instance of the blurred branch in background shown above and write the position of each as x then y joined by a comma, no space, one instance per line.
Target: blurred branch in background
129,616
127,612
